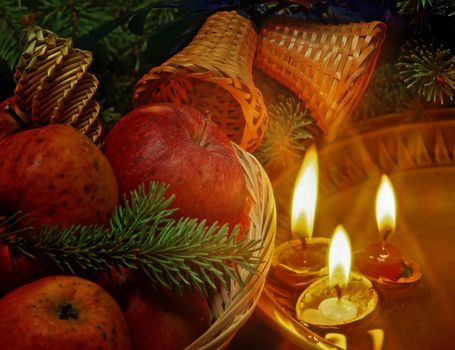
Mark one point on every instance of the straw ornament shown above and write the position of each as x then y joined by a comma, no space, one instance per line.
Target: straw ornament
327,66
214,73
53,84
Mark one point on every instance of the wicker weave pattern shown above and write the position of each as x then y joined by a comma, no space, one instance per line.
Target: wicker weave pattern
214,73
327,66
231,310
53,84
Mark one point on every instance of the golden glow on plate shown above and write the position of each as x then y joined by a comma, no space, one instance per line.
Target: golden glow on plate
385,209
377,337
337,339
305,194
339,258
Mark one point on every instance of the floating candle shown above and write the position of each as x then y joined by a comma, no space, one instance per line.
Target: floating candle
299,261
342,297
338,309
382,259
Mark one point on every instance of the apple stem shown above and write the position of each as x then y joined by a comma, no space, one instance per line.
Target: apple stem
10,110
201,137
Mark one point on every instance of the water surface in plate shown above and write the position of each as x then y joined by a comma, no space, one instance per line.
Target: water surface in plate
425,233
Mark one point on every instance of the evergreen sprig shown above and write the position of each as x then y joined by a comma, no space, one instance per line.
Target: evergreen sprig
445,8
410,7
290,128
118,58
428,71
141,235
10,28
438,7
383,95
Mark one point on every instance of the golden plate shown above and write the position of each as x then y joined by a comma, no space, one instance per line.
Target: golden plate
419,159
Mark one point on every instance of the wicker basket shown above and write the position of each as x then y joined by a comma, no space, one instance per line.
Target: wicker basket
214,73
230,310
327,66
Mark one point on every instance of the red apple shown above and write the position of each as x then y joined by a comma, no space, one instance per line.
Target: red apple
160,320
180,146
11,277
157,318
64,313
55,174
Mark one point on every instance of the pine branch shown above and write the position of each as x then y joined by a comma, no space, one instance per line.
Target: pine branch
383,95
289,129
445,8
10,14
174,254
71,18
438,7
411,7
428,71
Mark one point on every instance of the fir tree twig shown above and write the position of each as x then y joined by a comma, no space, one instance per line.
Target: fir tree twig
10,14
428,71
142,236
289,130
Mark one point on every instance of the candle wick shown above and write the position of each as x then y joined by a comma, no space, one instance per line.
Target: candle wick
386,235
302,240
384,251
338,290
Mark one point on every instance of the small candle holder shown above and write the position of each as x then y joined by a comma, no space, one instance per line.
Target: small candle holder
391,273
297,264
325,306
408,278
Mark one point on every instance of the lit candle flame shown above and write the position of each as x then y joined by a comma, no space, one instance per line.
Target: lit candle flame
305,195
385,209
339,258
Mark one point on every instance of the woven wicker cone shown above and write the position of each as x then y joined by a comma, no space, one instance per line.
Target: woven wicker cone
214,73
230,310
327,66
53,85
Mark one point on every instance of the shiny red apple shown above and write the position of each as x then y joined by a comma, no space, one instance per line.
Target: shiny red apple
157,318
55,174
61,313
184,148
166,321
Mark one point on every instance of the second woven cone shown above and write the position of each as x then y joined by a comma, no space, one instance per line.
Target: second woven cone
214,73
327,66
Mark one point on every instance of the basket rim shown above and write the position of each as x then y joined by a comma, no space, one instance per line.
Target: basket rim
245,300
